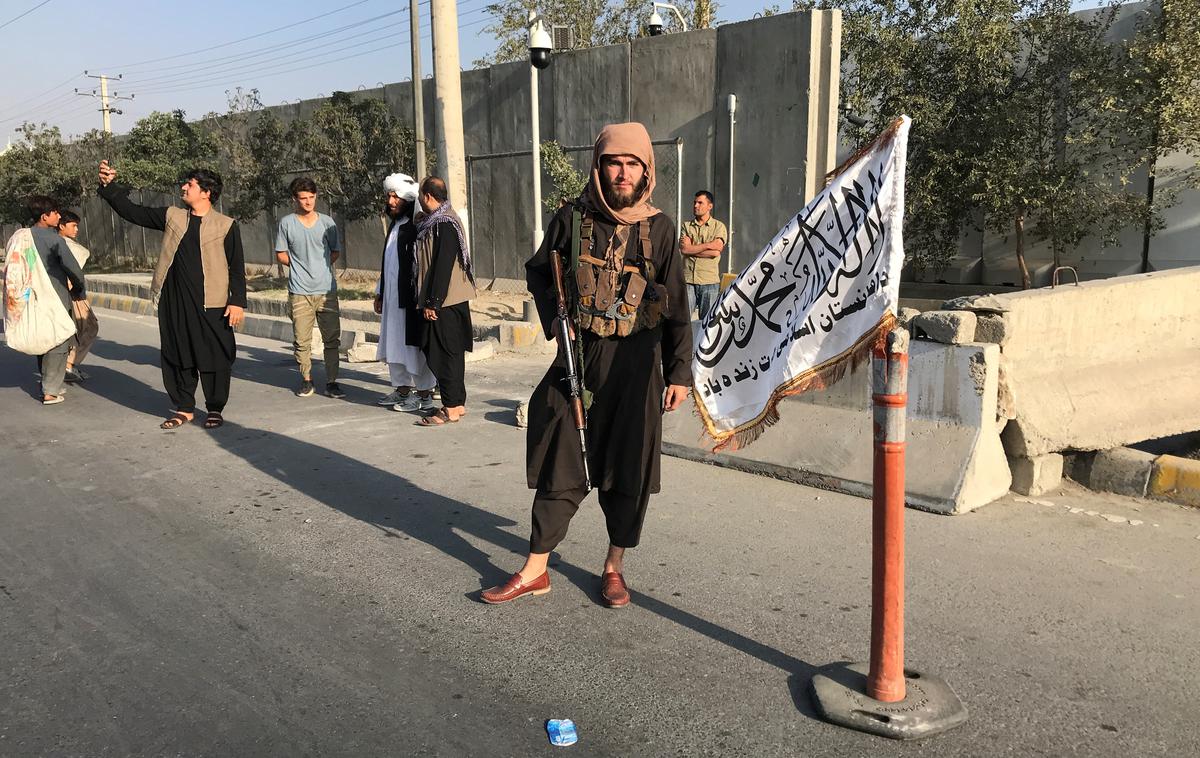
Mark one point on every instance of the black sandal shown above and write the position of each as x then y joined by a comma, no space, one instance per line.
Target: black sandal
213,420
179,419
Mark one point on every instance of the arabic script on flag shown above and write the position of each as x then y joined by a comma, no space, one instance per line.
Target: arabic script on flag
812,303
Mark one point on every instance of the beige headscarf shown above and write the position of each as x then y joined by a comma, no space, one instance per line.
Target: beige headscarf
622,139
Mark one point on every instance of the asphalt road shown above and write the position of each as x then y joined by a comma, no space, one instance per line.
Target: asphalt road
304,581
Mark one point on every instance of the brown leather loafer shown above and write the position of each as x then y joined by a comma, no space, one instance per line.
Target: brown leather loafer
515,588
613,590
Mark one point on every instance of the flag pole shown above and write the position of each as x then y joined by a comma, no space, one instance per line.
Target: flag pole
890,400
882,697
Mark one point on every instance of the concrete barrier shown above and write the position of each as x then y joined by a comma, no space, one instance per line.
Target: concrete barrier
1101,364
955,460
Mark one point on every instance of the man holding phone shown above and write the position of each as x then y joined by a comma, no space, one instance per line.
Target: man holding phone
200,286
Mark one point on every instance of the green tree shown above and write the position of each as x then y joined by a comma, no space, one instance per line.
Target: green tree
567,180
234,152
1016,114
351,144
162,147
1160,89
595,22
35,165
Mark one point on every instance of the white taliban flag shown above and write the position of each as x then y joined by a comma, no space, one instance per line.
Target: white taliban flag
812,304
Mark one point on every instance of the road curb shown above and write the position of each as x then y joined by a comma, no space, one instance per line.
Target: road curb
1175,479
269,318
1136,473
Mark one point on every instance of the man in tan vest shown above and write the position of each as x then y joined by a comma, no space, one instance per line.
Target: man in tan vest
445,286
200,286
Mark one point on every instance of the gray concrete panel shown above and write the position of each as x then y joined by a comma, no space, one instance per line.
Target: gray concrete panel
675,78
772,124
591,90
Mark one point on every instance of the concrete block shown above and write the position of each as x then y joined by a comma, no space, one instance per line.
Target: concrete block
1176,479
481,351
1006,402
1037,476
955,462
362,351
991,327
517,335
1122,470
1103,364
946,327
523,414
906,315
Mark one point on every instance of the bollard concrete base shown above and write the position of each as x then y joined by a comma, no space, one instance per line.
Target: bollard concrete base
930,706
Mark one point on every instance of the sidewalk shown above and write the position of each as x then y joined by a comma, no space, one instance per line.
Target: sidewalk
497,316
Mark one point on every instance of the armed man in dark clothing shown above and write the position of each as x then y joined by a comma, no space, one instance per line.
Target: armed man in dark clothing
200,286
632,332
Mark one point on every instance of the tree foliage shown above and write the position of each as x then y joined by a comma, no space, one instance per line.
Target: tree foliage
1024,113
35,165
161,147
567,180
595,22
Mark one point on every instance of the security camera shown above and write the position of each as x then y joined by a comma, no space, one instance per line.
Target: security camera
655,27
539,43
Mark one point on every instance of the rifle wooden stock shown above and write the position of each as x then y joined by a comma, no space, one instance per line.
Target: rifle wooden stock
574,381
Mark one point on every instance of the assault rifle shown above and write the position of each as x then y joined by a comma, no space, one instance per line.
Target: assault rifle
565,344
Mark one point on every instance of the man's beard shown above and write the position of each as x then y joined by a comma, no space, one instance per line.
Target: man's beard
399,212
618,202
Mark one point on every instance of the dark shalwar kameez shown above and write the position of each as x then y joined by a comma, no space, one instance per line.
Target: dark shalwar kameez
197,343
627,376
447,340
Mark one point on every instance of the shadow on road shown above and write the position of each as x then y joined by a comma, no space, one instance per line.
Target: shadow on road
272,368
401,509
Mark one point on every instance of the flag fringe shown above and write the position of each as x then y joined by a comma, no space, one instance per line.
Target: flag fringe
886,136
816,378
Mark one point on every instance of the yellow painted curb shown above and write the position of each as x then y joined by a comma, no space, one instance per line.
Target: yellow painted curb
1176,479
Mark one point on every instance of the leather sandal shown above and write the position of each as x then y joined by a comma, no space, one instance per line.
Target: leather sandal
177,420
213,420
515,588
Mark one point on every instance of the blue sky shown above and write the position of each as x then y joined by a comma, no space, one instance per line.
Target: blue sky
349,43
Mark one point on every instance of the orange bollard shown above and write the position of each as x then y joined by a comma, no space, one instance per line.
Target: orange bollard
885,682
882,697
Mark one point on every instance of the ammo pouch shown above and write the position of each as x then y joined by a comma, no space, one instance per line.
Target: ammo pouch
633,303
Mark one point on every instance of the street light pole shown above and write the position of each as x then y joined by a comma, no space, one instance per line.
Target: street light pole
448,103
414,16
539,49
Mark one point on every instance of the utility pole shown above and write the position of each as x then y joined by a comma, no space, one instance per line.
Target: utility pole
448,102
414,17
105,108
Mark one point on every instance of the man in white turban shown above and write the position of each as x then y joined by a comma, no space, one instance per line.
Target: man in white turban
396,303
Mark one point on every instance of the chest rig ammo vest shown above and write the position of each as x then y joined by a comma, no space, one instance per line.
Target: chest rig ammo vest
615,296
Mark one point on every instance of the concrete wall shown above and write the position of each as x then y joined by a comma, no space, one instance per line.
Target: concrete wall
1099,365
782,68
954,461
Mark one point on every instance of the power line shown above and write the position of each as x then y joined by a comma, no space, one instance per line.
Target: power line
266,50
243,39
184,87
258,53
23,15
236,65
256,69
26,105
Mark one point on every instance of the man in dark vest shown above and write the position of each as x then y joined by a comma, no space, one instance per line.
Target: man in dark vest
200,286
633,334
